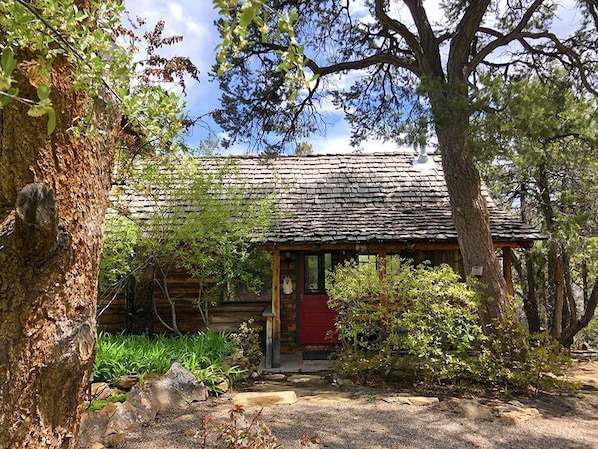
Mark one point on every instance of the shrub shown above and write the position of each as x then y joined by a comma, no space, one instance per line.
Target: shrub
242,432
428,331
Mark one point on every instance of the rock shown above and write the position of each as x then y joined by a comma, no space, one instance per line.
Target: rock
420,401
269,398
97,446
223,386
276,377
178,388
341,381
304,378
473,409
114,439
518,415
143,399
126,382
100,391
93,426
126,417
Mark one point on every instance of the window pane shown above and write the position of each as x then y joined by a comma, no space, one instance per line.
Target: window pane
311,273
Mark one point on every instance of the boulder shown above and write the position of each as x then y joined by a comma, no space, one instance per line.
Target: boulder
178,388
144,401
126,382
100,391
473,409
93,426
420,401
126,417
517,415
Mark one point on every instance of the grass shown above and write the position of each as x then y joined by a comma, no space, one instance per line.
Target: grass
202,354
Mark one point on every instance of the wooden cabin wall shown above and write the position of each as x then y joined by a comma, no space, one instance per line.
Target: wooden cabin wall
223,316
288,303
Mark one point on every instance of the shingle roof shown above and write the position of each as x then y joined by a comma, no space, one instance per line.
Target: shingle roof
359,198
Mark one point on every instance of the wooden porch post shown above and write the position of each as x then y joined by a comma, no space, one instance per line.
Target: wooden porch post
506,269
382,274
276,336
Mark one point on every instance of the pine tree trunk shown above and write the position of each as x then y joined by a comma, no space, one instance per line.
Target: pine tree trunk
471,219
49,251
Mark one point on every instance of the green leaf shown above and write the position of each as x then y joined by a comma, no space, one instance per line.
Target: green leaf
10,93
246,17
8,61
51,121
43,92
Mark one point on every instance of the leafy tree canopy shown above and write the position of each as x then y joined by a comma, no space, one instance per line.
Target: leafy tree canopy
105,61
382,62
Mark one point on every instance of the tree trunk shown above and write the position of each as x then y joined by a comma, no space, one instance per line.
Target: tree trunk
530,301
53,197
570,331
139,303
472,222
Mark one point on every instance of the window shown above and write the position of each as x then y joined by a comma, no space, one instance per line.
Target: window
316,266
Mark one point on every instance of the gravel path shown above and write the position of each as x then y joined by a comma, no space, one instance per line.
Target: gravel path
356,418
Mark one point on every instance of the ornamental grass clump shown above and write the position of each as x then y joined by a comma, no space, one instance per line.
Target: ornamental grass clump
201,353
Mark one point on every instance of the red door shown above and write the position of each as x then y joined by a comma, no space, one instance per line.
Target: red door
316,319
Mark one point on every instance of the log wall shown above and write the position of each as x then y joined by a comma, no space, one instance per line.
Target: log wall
222,316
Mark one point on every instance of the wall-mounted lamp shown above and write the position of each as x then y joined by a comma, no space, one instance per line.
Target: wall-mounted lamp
477,270
361,248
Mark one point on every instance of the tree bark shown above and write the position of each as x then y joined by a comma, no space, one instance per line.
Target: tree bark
472,221
53,198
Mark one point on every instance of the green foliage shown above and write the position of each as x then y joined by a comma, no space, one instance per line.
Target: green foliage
589,335
247,340
429,331
101,53
201,354
539,364
92,406
121,238
539,148
431,317
201,218
242,432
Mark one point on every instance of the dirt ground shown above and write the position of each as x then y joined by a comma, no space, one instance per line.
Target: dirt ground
351,417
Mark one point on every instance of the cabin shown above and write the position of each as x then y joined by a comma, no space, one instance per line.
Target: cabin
339,207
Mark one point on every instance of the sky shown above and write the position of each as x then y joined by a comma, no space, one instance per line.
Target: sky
194,20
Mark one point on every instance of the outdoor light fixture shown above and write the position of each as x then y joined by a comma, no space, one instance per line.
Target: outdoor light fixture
360,248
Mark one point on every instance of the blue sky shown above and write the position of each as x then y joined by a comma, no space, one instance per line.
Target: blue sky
193,19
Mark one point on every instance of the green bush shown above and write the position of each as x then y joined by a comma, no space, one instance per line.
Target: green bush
428,331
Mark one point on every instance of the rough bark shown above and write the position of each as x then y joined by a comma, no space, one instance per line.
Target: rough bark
53,197
139,303
472,221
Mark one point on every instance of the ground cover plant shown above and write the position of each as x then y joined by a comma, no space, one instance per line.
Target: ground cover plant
242,431
202,354
420,323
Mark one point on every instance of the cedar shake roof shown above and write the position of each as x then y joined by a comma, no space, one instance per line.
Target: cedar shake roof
360,198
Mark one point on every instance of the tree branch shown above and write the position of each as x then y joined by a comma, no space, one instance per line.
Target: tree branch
502,40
